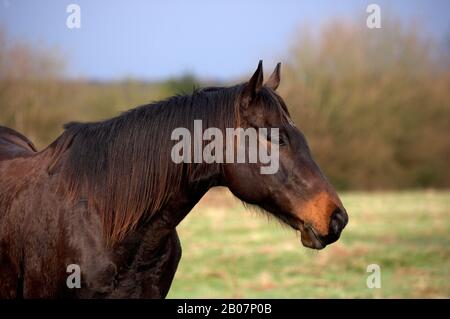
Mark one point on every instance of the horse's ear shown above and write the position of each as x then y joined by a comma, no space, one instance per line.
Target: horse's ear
254,85
274,80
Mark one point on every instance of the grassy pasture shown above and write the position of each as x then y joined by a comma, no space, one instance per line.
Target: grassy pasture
230,252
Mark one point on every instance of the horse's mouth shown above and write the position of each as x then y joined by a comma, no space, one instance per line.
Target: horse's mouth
309,237
308,234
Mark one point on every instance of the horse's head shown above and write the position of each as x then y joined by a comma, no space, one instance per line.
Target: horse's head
298,193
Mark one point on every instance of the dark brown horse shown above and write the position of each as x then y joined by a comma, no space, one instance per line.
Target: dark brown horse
106,196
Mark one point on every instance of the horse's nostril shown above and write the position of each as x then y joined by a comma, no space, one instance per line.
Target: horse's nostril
339,219
335,224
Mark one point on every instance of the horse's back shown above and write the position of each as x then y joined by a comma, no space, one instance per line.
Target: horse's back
13,144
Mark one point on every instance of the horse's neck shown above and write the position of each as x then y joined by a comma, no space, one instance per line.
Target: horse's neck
182,202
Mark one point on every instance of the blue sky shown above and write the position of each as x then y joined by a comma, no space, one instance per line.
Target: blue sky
212,39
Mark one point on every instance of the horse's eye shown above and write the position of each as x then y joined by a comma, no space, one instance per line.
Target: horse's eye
280,141
277,139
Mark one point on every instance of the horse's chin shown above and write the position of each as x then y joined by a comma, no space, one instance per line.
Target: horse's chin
309,238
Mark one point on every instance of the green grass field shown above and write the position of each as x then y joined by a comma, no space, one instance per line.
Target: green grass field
230,252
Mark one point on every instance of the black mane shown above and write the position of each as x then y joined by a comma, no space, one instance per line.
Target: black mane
123,164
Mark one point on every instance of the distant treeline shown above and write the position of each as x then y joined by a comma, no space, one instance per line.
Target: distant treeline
373,104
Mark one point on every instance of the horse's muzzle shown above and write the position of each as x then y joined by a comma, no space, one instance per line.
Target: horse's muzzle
311,239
